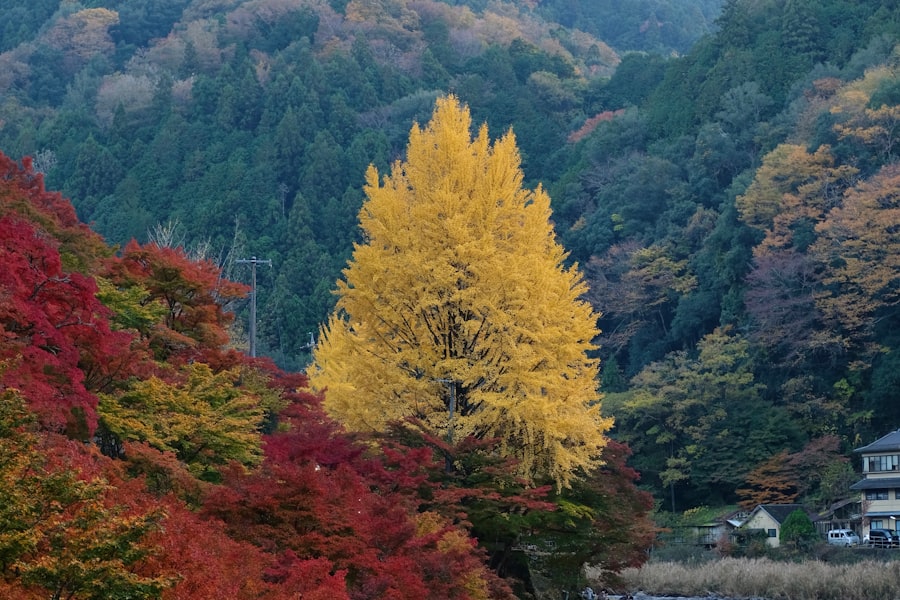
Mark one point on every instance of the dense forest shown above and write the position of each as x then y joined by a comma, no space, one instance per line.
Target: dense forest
720,171
142,458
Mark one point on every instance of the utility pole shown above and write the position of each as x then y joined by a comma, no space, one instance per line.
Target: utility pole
253,261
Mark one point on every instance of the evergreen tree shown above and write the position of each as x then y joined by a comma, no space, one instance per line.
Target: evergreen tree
458,310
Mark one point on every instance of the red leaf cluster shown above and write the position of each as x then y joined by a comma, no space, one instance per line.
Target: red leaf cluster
318,497
191,292
55,341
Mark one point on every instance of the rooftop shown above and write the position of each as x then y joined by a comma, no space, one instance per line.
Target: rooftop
779,512
877,483
887,443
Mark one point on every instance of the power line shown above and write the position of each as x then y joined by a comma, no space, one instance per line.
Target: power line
253,261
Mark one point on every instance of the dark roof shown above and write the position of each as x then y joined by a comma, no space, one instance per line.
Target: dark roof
780,512
836,506
887,443
877,483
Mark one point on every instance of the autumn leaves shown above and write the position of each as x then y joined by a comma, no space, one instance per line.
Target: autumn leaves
461,281
143,458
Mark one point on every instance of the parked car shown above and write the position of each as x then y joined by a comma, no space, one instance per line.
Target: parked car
842,537
883,538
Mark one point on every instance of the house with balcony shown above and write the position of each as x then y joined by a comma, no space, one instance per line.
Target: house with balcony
880,486
843,514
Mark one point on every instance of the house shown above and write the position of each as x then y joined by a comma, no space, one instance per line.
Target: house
704,527
702,534
880,486
843,514
769,518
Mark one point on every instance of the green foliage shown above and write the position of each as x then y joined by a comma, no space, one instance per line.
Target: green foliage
130,308
207,421
648,25
58,531
798,531
683,416
21,23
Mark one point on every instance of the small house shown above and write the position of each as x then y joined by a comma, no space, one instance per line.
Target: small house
704,527
769,518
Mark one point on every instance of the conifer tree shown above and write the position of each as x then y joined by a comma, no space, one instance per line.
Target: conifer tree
457,308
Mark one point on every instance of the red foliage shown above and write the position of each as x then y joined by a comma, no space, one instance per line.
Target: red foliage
54,334
196,556
312,579
323,517
624,530
311,501
22,192
192,292
54,330
209,564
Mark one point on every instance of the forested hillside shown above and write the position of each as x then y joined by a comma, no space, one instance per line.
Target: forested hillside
244,128
738,225
143,458
729,197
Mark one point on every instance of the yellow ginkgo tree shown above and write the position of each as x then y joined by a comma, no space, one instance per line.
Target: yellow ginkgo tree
457,308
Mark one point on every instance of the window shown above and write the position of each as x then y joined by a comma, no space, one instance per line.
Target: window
876,494
772,533
876,525
875,464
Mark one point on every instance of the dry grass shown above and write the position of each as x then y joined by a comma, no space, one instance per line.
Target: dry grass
764,578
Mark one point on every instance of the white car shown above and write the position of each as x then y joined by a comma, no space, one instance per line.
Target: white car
842,537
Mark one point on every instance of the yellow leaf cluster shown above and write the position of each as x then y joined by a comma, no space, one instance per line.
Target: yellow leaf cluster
458,309
85,33
792,186
205,421
876,127
860,239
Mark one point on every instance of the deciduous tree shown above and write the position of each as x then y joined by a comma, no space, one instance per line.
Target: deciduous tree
311,504
771,482
65,530
207,421
859,241
682,417
192,294
55,332
458,309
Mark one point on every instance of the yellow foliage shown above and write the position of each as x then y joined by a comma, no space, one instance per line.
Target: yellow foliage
206,421
454,541
459,298
85,33
876,127
792,185
858,239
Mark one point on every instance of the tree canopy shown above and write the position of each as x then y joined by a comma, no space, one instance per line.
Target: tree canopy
457,308
142,457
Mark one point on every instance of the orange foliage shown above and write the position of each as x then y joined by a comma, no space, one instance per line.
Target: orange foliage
591,124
